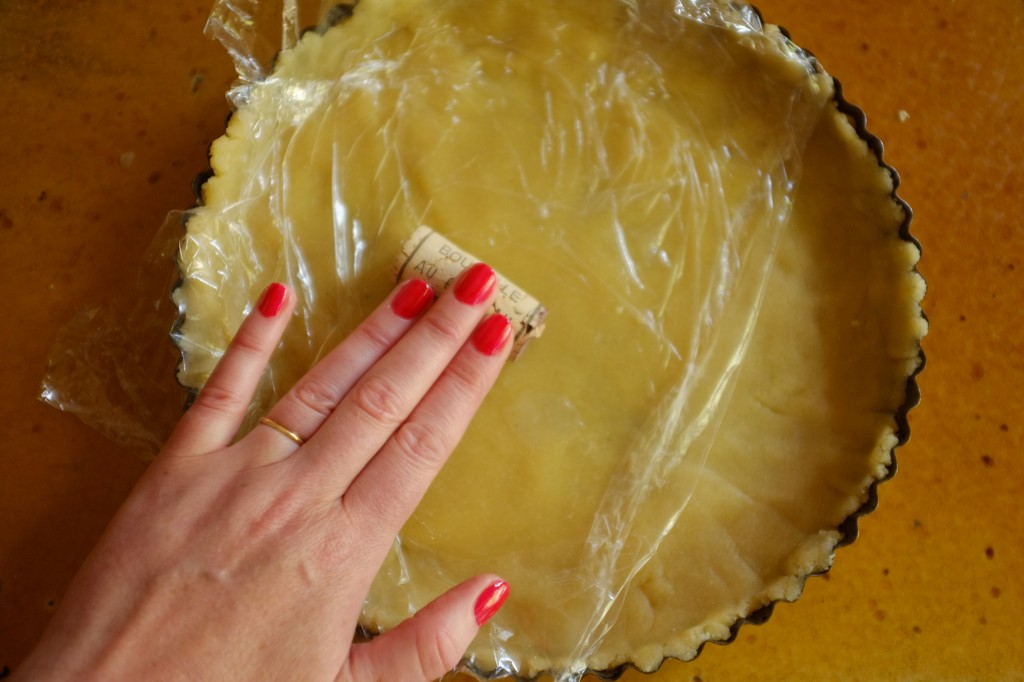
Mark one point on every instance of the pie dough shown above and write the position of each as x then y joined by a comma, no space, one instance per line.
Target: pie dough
733,313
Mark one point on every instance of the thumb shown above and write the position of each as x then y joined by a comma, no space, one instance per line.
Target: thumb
433,641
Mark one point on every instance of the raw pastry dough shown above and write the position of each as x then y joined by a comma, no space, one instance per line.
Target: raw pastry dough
733,312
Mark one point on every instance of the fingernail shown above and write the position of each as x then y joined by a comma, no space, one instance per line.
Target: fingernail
412,298
492,335
490,600
476,284
272,300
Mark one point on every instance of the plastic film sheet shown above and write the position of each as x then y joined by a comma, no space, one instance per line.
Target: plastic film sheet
631,163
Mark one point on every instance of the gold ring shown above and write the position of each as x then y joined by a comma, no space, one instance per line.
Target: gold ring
267,421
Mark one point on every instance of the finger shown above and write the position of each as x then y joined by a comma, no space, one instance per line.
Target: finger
217,413
392,484
315,396
386,395
433,641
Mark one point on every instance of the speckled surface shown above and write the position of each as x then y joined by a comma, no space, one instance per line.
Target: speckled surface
107,113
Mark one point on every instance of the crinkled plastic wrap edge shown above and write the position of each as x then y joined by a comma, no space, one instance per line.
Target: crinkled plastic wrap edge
849,528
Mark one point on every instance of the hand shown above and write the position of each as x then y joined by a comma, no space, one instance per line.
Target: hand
251,560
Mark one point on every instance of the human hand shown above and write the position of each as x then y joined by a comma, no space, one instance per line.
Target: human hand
251,559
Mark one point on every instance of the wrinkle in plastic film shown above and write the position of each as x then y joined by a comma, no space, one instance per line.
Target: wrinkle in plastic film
246,30
690,283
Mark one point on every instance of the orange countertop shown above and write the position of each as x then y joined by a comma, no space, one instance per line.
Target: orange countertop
107,114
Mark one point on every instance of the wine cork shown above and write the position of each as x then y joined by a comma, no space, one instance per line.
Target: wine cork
430,256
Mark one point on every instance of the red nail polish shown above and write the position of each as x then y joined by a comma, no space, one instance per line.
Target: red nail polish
272,300
476,284
412,299
492,335
490,600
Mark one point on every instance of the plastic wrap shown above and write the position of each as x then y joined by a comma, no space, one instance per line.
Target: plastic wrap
603,154
112,365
